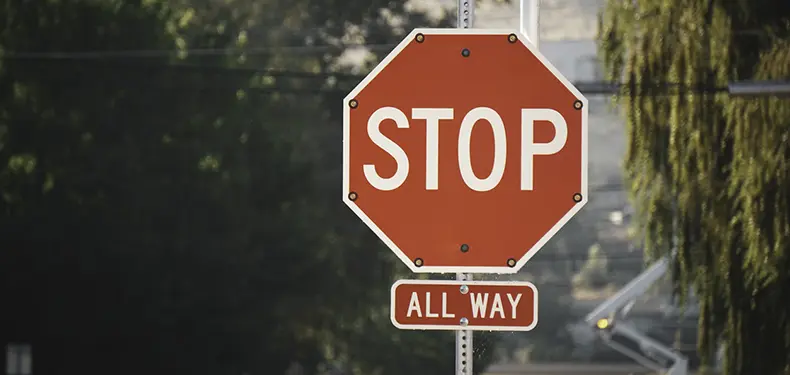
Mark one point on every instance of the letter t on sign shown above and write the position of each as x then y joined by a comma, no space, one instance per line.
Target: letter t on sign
432,117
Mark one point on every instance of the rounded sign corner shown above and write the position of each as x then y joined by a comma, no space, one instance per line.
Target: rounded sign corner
395,323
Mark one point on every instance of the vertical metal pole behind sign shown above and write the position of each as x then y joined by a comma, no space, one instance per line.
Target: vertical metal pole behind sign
464,352
529,20
463,338
466,14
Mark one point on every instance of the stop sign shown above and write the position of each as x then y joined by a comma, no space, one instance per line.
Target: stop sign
465,150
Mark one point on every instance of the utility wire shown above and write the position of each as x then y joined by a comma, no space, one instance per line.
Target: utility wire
586,87
239,70
557,258
153,53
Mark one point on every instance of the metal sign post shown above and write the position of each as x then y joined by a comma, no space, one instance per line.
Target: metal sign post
467,83
529,20
466,14
464,352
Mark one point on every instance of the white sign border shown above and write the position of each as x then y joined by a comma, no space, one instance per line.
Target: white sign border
459,327
504,269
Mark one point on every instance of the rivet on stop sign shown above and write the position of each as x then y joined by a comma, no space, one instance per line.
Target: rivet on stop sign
419,38
465,52
464,248
352,196
418,262
511,262
512,38
577,197
353,103
578,104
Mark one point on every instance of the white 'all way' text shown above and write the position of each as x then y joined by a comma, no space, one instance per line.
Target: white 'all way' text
478,301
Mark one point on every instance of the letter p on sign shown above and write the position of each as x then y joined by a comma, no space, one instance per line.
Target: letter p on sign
528,146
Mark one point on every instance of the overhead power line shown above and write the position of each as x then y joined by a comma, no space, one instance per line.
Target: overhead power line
344,81
153,53
582,86
740,88
545,256
759,88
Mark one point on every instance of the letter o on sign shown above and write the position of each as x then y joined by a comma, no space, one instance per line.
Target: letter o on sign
465,143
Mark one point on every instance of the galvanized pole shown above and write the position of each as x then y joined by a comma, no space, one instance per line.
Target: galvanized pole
466,13
463,338
529,20
464,352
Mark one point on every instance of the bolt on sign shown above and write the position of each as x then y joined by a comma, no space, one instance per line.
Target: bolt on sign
471,305
465,151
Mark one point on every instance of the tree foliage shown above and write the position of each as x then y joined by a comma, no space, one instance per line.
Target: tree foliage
709,172
169,193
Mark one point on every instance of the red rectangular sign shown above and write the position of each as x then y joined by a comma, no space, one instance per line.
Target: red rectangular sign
472,305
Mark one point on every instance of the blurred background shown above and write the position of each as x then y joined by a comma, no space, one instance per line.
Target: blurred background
170,195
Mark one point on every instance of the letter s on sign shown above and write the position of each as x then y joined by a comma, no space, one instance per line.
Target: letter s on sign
390,147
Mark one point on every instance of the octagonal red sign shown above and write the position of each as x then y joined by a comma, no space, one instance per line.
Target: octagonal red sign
465,150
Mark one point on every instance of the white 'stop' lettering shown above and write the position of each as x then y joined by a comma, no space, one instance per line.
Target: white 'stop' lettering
433,118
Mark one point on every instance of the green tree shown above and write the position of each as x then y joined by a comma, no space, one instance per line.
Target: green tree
130,234
709,172
169,195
